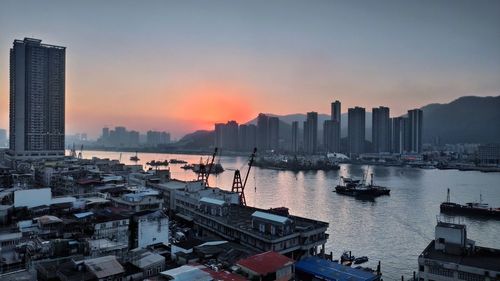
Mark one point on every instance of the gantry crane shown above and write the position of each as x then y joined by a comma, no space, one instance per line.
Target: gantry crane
238,185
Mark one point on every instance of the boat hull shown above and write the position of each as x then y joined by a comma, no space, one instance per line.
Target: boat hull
457,209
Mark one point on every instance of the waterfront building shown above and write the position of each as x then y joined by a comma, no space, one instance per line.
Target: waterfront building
150,228
247,135
311,133
381,130
262,132
452,256
226,135
274,127
489,154
156,138
356,130
261,230
336,118
295,137
37,100
415,119
329,135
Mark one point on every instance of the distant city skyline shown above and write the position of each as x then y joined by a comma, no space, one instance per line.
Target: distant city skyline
185,65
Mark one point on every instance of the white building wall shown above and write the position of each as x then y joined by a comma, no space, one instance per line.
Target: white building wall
152,231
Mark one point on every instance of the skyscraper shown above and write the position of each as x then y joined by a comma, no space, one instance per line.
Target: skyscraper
311,133
37,99
273,132
381,129
415,117
398,134
262,132
226,135
334,131
328,127
356,130
295,136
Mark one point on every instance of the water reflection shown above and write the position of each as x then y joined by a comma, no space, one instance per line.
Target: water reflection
393,229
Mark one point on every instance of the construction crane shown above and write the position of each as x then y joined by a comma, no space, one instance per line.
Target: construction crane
238,184
203,174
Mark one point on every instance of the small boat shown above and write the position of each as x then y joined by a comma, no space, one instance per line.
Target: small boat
360,260
187,167
346,256
177,161
135,158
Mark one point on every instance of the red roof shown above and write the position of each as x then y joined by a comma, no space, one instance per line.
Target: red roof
265,263
224,275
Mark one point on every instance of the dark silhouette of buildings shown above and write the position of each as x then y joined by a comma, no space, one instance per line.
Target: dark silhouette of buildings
262,132
273,131
381,129
37,99
311,133
356,130
295,137
415,117
331,129
247,137
226,135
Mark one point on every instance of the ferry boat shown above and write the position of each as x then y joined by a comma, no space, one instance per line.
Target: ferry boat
357,188
472,208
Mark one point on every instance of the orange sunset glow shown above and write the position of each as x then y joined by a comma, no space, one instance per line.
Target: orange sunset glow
207,104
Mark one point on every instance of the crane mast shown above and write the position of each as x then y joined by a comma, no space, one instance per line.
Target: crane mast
203,174
238,184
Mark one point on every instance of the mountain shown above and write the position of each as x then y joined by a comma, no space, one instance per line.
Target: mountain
467,119
198,139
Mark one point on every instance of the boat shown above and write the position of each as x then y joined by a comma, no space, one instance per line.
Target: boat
471,209
187,167
358,188
177,161
360,260
215,169
134,158
347,257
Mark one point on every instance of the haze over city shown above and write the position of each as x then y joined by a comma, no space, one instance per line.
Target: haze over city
173,65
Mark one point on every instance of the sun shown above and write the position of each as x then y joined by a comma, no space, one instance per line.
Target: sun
213,103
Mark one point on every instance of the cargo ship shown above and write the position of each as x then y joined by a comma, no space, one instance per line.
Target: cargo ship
470,209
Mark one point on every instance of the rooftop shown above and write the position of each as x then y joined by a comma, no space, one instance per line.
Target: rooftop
187,273
104,266
240,217
328,270
486,258
265,263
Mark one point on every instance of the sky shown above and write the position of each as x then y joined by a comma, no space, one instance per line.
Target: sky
183,65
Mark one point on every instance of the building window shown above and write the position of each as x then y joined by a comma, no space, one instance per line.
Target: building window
262,227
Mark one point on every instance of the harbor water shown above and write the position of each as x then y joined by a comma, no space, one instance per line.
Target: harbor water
392,229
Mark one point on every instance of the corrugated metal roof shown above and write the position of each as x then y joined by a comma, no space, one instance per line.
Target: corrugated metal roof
271,217
187,273
333,271
212,201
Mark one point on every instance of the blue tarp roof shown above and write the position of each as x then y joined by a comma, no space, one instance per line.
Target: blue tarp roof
332,271
83,215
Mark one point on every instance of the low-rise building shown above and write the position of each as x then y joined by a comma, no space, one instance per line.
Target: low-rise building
452,256
267,266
